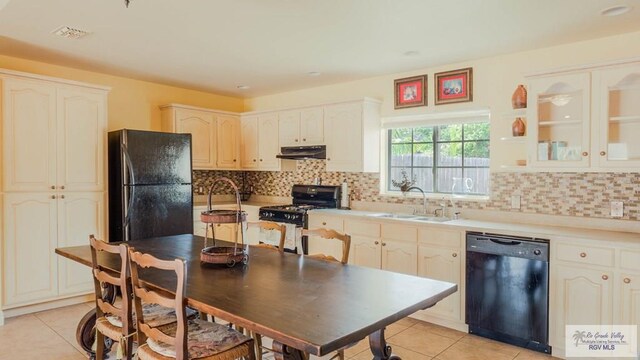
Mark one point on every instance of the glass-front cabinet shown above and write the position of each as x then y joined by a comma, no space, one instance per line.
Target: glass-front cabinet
559,115
618,125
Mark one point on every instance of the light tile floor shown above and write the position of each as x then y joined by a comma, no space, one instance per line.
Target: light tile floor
51,335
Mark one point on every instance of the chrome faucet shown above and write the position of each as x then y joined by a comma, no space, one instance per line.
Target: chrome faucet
442,207
424,198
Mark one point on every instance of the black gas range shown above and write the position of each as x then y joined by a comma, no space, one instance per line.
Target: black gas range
305,198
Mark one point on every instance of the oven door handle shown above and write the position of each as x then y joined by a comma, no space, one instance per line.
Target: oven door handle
505,242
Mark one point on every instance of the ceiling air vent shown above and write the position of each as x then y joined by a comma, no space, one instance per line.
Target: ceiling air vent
69,32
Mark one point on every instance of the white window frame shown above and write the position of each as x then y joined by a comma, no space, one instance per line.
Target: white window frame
421,120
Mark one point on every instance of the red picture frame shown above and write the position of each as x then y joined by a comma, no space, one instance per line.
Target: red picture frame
454,86
410,92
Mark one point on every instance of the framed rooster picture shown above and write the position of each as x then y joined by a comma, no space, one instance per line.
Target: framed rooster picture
454,86
410,92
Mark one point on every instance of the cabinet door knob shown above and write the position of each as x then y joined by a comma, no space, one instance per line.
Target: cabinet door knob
324,223
260,159
304,139
454,255
376,242
53,196
584,153
234,160
328,159
62,187
626,280
384,244
53,187
61,196
296,140
602,153
583,254
605,277
254,160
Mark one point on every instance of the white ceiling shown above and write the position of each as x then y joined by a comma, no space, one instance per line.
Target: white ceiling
271,45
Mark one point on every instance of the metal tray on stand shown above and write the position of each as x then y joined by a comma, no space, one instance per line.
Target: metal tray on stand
228,255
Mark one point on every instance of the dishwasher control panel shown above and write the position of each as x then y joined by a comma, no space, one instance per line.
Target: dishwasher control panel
523,247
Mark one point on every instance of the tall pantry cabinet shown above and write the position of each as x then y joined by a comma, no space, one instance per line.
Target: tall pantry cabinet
53,184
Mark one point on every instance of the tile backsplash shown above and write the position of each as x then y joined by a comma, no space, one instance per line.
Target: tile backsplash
570,194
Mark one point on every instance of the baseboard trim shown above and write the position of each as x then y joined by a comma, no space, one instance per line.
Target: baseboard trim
28,309
451,324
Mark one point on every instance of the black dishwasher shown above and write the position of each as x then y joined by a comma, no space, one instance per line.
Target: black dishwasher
507,289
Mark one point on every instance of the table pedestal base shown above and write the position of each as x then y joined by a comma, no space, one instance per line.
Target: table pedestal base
379,347
284,352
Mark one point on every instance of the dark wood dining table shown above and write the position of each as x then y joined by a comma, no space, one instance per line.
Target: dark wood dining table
303,304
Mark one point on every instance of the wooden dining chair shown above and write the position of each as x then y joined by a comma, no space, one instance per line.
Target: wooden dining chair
120,330
118,322
187,338
270,226
330,234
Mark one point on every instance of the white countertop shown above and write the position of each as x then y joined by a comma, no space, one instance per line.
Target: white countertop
517,229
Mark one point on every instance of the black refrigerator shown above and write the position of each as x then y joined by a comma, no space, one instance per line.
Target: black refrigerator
150,190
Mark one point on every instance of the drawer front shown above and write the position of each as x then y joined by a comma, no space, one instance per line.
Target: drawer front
326,222
630,259
399,232
364,228
441,237
585,254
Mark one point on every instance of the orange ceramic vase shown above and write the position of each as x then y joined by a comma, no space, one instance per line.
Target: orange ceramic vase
519,98
518,127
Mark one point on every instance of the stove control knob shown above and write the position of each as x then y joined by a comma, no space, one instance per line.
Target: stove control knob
537,252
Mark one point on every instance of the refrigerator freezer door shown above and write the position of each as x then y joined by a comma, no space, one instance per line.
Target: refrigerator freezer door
157,158
158,210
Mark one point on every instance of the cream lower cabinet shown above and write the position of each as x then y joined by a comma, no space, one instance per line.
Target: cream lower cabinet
582,296
37,223
318,245
382,246
629,299
440,257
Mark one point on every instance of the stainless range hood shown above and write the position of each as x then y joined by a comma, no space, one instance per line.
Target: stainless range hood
303,152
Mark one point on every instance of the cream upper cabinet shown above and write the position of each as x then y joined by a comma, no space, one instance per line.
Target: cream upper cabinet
29,135
249,142
81,131
201,125
228,133
66,128
79,215
268,145
259,142
30,264
301,127
559,121
352,135
617,108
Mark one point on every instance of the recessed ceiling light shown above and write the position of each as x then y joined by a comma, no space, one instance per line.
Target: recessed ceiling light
615,10
314,73
411,53
243,87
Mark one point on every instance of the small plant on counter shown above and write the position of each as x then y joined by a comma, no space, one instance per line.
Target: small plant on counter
405,183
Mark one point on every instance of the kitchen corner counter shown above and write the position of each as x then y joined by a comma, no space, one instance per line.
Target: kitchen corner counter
514,228
203,204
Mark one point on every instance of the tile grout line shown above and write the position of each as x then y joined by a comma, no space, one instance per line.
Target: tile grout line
59,335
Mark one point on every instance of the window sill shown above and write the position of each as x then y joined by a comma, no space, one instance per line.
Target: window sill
435,196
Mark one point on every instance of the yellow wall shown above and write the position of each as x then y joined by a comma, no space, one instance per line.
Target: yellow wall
133,103
494,78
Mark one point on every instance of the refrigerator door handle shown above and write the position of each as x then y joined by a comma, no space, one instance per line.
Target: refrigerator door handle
130,194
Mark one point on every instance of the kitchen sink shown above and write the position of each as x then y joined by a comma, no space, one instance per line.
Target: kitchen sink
412,217
394,216
431,218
